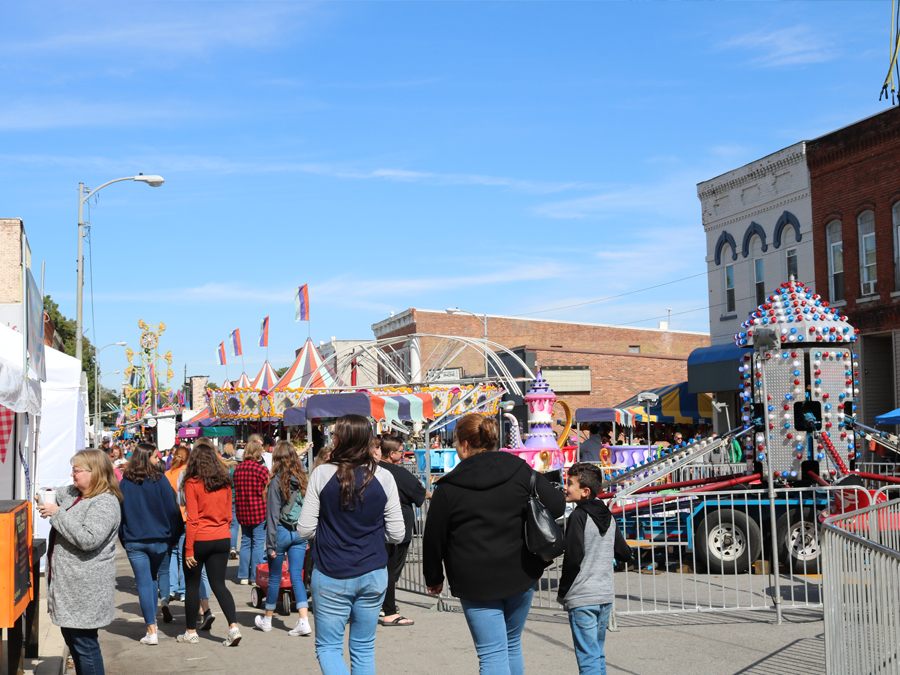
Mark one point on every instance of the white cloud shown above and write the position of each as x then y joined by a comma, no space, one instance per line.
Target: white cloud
57,113
794,46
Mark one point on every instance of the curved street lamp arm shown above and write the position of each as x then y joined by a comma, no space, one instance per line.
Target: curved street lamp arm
95,190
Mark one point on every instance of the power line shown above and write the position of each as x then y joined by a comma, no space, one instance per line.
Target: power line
613,297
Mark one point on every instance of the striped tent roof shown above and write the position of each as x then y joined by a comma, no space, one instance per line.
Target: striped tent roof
266,379
300,374
677,405
625,416
243,382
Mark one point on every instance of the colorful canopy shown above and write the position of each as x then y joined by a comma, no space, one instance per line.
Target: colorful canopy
267,378
622,416
399,408
203,419
676,405
243,382
302,372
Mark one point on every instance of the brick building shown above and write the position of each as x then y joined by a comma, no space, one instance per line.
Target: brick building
855,185
589,365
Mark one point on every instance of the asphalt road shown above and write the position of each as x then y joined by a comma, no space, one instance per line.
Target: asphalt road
696,643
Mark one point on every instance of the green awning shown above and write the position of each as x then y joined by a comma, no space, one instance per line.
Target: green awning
217,432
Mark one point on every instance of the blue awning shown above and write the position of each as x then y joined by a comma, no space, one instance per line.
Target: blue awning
715,368
892,417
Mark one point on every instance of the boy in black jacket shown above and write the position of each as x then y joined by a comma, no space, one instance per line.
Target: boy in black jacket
586,587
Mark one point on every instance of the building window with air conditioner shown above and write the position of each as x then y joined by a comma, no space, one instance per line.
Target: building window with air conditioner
835,261
867,271
793,268
729,289
759,275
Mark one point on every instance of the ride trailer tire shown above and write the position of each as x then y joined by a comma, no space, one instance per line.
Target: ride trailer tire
798,541
286,598
727,541
256,597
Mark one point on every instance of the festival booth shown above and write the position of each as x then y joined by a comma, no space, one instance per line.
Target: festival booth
676,405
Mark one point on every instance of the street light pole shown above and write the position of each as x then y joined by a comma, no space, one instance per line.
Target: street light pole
97,382
483,319
152,181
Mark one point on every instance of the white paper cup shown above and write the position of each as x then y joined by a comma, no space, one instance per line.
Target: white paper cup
48,496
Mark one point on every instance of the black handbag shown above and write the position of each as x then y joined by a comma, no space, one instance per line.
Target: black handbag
542,535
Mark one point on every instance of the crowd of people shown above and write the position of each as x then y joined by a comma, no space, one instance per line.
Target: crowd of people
354,514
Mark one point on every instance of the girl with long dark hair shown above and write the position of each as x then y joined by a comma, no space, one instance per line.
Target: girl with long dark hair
207,496
287,487
151,525
351,507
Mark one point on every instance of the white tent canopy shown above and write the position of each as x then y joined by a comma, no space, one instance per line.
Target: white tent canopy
16,393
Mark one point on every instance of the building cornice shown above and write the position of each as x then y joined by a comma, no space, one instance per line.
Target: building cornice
820,160
564,350
713,189
393,323
750,214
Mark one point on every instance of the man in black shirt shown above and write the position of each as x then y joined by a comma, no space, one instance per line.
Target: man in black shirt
411,492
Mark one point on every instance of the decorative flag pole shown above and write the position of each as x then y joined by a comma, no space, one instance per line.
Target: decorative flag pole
220,352
264,335
236,346
301,304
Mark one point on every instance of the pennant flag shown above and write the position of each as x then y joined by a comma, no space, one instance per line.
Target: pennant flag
264,332
301,303
220,352
236,343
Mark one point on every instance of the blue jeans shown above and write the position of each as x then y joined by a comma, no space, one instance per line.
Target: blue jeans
84,646
589,634
288,542
146,558
253,550
496,627
235,527
336,600
176,573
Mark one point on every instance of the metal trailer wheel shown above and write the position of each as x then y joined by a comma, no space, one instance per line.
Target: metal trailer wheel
798,536
728,541
256,597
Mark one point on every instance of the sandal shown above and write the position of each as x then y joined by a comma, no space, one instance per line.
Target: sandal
396,622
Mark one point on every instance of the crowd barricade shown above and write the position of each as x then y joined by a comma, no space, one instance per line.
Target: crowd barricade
861,589
703,551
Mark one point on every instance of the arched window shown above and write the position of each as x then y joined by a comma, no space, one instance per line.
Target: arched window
757,248
729,289
896,214
835,245
868,273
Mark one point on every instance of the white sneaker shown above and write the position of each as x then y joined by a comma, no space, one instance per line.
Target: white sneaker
189,638
233,639
302,627
149,639
264,623
244,582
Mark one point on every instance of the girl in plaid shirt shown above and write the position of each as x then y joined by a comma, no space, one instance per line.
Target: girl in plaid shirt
250,480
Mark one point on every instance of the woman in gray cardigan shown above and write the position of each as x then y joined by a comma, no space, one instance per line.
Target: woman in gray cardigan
81,568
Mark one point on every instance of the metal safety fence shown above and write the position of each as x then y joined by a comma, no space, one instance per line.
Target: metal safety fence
703,551
861,571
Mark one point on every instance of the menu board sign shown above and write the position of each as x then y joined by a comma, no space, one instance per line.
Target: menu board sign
21,557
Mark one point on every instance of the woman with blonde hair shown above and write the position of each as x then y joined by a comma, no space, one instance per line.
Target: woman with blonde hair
250,480
286,490
81,567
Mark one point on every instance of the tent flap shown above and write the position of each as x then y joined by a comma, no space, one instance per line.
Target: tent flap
676,405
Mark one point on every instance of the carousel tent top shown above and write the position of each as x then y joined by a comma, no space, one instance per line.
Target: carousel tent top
399,408
625,417
304,372
676,405
243,382
267,378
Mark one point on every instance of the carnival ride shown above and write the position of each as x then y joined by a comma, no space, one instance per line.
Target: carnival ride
799,428
146,395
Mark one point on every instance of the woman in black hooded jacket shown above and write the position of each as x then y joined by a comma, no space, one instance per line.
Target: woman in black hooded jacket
475,530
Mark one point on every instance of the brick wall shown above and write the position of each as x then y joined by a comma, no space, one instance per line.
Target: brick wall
10,260
616,374
854,169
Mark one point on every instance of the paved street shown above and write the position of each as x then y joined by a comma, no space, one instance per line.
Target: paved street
716,643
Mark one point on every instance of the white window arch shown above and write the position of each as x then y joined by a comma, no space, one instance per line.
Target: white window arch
835,243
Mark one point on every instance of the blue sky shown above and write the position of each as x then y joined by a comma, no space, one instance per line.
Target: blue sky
507,158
